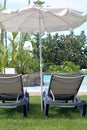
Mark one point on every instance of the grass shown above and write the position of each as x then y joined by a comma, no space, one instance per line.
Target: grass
59,119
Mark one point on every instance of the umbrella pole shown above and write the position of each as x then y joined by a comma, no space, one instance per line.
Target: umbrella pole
40,45
41,77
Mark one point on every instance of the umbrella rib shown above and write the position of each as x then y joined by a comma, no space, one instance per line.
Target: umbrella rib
60,18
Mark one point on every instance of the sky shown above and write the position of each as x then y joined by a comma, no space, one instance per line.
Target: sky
80,5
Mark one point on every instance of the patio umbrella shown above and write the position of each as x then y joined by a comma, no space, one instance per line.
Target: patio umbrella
37,19
32,18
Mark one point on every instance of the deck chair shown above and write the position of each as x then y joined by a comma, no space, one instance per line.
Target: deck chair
11,92
62,93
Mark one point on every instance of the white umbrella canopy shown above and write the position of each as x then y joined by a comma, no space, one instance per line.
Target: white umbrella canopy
36,19
51,19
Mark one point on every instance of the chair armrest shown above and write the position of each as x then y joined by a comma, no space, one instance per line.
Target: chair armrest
52,95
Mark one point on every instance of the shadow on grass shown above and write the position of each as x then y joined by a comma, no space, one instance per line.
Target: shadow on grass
10,113
35,111
16,113
71,113
54,112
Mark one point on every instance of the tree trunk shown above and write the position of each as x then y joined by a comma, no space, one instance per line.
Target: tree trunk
28,2
3,32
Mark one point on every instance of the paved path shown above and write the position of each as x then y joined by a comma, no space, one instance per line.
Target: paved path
38,93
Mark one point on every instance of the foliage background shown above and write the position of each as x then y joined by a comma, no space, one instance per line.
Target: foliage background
61,53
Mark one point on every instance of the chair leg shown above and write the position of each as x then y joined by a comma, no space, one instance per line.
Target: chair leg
3,101
46,109
28,106
25,110
82,110
27,95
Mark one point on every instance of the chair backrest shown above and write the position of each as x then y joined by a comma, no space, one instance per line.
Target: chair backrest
66,85
11,84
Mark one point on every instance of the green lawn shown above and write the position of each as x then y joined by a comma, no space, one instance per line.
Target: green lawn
59,119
